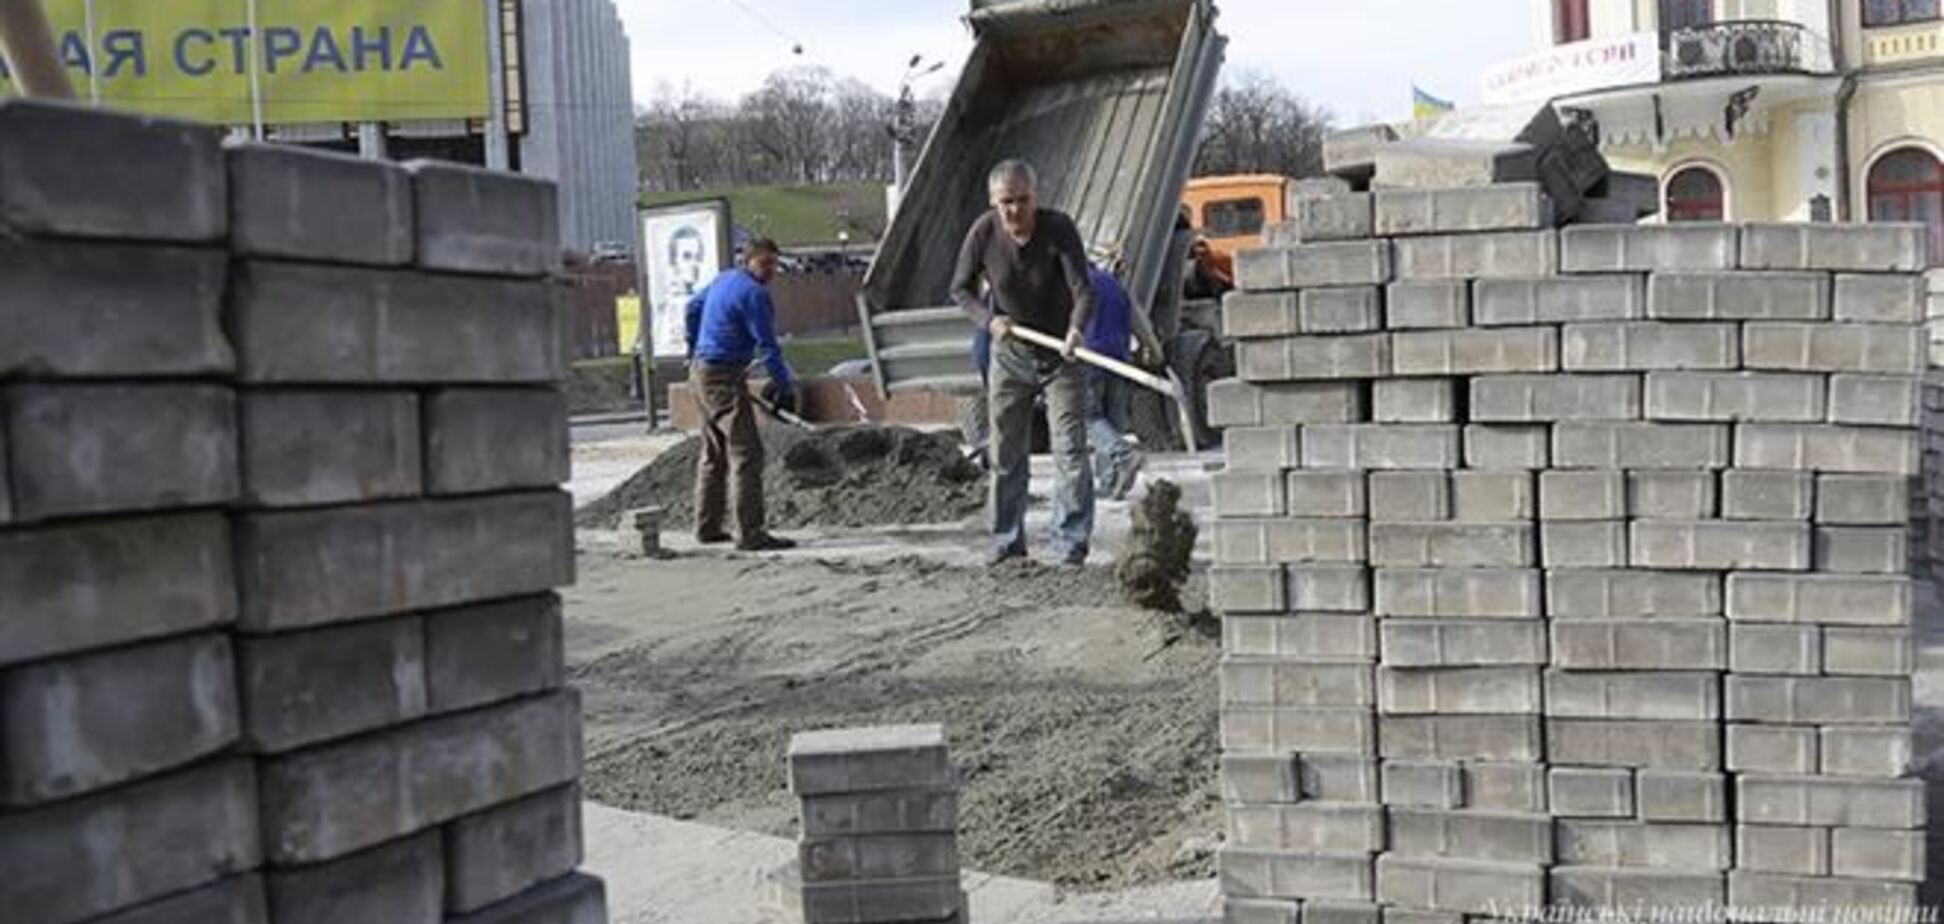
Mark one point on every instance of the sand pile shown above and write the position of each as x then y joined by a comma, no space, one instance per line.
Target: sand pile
840,477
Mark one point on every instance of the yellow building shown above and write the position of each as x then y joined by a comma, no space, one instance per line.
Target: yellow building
1754,110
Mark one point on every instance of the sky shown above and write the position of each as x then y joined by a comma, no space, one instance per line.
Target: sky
1356,58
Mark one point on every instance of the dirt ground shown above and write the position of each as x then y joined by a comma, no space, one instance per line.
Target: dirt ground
1085,729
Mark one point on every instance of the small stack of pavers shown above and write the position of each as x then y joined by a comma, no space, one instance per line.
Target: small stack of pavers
879,842
1565,568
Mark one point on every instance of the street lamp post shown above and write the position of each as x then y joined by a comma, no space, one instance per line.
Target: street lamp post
904,121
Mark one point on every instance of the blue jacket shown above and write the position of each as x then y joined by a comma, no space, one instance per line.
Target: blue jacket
732,320
1112,325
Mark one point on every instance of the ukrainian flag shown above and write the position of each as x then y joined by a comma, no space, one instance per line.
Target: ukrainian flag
1426,106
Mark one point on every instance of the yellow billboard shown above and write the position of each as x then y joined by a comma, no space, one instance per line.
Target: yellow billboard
299,60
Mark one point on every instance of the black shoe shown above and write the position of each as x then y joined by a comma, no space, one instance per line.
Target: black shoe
998,557
715,538
764,542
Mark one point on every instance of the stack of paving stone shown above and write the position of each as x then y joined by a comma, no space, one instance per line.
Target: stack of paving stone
879,838
1566,568
279,530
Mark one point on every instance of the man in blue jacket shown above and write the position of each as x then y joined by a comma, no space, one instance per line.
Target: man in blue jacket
731,323
1117,464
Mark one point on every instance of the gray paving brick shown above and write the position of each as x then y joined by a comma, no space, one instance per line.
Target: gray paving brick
1665,695
1591,792
1585,544
861,901
1491,836
1460,737
1414,401
302,688
1739,296
1671,495
1310,636
1256,449
494,439
1274,729
1866,752
1855,600
1288,541
492,652
575,899
1681,796
1735,396
1874,854
1258,779
1328,588
1633,844
880,857
1647,248
1424,784
1393,914
1507,447
1250,315
1623,645
1288,359
1270,874
1640,445
1862,549
1345,263
312,447
1475,351
1827,449
1649,346
1881,298
1234,403
1868,652
167,834
1631,594
236,900
1818,700
1325,911
1759,648
1478,256
1484,593
142,178
1558,300
1337,778
1453,545
1297,403
1436,163
1263,911
1251,682
1468,886
1868,348
1582,495
1816,800
1754,494
1334,217
1321,493
1583,887
1410,496
1547,398
1850,247
80,449
1503,207
1720,546
73,726
1488,496
1609,743
1790,849
1505,787
885,812
307,204
1772,749
1821,895
1319,827
472,220
1247,589
1428,304
1378,446
67,314
402,881
1874,400
1249,493
1863,500
1341,310
1500,690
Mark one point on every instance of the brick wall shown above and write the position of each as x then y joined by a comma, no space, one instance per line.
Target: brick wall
1568,568
278,536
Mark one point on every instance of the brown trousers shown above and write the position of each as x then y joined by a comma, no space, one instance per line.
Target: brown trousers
732,451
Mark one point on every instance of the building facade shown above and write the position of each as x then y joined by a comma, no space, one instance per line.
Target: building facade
1754,110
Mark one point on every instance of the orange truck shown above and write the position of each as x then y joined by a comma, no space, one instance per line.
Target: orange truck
1230,212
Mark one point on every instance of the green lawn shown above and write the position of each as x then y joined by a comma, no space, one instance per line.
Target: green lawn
795,215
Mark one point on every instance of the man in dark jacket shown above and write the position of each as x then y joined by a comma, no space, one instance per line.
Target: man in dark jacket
1036,265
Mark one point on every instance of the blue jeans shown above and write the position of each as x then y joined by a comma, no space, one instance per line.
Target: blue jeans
1019,373
1107,413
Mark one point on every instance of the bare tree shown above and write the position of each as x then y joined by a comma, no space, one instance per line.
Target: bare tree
792,113
1256,125
673,130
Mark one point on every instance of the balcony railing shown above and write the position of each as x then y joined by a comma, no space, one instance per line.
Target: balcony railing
1744,48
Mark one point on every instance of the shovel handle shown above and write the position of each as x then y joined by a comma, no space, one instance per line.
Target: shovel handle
1127,371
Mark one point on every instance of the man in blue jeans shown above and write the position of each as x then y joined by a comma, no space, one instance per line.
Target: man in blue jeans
1034,262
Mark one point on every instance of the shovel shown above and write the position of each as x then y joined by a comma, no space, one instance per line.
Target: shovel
1170,386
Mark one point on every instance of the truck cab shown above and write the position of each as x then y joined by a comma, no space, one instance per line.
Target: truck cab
1230,212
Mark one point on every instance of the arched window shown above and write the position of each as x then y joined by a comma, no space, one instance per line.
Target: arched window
1908,185
1695,194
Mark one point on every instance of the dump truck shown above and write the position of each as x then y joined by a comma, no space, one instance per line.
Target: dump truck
1106,99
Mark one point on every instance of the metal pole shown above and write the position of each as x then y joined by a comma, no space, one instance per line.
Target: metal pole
496,154
28,44
371,140
94,72
256,74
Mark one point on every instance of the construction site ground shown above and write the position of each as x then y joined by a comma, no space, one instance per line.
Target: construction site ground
1084,727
